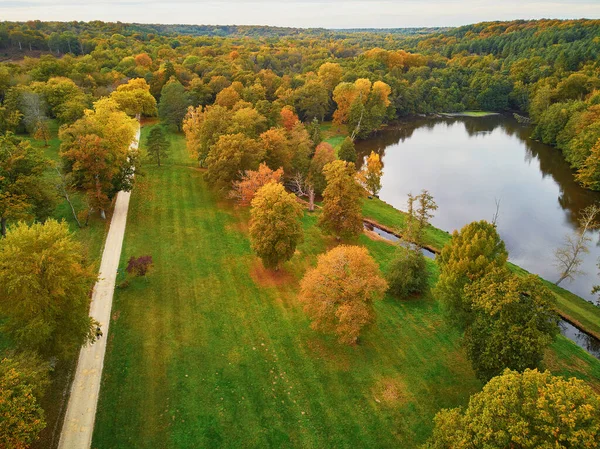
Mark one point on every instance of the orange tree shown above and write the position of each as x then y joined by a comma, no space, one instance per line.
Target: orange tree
338,294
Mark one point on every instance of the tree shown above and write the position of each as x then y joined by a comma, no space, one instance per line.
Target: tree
157,144
48,312
252,180
21,417
275,226
312,100
42,132
33,108
568,257
470,254
135,98
417,219
514,322
25,192
173,104
347,151
330,75
231,156
370,175
324,154
289,118
277,148
407,272
338,293
526,410
314,131
203,128
342,214
97,151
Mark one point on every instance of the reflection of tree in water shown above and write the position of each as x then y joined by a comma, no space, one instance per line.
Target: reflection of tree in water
572,198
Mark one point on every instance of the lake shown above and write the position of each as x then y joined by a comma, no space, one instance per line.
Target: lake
468,163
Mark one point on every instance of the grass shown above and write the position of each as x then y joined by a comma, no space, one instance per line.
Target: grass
471,114
333,134
211,350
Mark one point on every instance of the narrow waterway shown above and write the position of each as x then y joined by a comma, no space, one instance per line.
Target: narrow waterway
468,164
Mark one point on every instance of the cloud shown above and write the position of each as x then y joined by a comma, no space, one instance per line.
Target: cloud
300,13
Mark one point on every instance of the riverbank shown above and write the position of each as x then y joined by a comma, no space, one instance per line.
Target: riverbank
572,308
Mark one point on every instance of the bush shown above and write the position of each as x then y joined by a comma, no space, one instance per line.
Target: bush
139,266
407,274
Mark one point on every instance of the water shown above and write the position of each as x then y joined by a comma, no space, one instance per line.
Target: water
469,163
583,340
394,238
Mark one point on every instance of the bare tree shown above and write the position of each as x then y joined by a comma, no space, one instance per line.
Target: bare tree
418,219
304,188
63,187
568,258
497,213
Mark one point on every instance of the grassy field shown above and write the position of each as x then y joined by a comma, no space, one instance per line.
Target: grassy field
211,350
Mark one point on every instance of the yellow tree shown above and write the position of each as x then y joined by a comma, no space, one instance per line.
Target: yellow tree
528,410
135,98
275,226
330,75
370,174
341,215
338,293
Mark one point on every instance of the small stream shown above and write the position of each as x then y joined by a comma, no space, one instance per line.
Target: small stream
576,335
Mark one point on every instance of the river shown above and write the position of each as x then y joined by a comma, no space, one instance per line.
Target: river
468,163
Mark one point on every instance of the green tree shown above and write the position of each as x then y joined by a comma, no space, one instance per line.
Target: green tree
529,410
407,272
347,151
514,321
46,312
157,144
342,214
275,226
25,192
470,254
173,105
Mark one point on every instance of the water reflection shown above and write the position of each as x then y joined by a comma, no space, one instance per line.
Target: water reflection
467,163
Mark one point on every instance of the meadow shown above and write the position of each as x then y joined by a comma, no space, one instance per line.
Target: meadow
212,350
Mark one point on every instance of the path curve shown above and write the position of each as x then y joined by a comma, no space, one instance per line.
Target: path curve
78,425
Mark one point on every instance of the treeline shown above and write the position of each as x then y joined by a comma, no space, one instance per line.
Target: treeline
521,66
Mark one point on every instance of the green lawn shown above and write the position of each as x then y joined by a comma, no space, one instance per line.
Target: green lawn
213,351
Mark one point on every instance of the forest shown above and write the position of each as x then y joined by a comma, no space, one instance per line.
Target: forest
248,211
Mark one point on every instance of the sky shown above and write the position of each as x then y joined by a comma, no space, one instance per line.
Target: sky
300,13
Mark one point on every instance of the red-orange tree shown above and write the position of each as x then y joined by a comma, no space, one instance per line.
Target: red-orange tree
252,180
338,294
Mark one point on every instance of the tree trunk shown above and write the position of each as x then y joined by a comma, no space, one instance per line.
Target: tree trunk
20,47
158,157
311,199
3,226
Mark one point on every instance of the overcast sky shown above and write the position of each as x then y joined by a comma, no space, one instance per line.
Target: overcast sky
300,13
